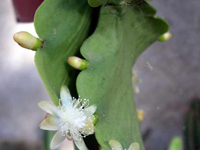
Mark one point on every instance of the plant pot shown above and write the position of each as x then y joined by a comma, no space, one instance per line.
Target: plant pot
25,9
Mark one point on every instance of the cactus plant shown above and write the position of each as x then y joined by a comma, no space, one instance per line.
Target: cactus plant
111,46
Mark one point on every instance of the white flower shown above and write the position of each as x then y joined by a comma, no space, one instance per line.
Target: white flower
115,145
69,119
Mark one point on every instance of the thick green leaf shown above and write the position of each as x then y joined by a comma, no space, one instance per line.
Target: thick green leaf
122,33
63,25
97,3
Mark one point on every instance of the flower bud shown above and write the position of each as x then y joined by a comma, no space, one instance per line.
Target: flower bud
140,115
134,146
165,37
77,63
115,145
26,40
95,118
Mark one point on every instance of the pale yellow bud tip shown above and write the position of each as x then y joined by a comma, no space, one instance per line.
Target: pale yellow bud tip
165,37
140,114
134,146
77,63
26,40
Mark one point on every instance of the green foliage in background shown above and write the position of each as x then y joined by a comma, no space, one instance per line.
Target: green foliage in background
176,144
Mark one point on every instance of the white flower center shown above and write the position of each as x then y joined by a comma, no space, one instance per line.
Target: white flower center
72,120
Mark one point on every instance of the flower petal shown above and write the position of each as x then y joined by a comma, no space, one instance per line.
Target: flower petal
80,144
51,123
134,146
90,110
48,107
115,145
65,96
57,140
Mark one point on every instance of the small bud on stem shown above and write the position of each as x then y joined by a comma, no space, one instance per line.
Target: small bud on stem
95,118
165,37
77,63
140,115
26,40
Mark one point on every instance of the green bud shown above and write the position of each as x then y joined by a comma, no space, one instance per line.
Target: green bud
95,118
26,40
165,37
77,63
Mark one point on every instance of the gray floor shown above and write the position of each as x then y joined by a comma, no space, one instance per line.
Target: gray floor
165,92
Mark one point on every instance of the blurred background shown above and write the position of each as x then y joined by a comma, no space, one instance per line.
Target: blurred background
169,93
